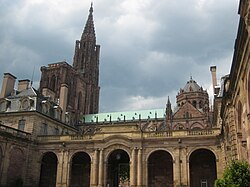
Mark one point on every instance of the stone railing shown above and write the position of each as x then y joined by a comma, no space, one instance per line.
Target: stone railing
49,138
158,134
204,132
155,134
181,133
14,132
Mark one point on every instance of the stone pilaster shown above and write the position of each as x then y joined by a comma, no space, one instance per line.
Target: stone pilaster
4,166
184,166
94,169
139,168
62,169
100,176
133,168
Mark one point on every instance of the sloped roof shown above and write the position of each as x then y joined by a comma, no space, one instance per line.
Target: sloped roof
27,92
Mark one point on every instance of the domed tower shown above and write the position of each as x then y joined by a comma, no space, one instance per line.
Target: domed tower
194,94
192,110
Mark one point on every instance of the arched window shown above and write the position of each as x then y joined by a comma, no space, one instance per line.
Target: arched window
239,113
194,103
200,104
53,83
79,103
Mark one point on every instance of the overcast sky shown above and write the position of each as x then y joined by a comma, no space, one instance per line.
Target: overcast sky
149,48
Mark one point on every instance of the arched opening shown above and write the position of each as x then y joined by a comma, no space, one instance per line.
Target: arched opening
118,169
202,167
48,170
16,167
160,169
80,170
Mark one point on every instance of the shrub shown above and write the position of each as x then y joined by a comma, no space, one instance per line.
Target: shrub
236,174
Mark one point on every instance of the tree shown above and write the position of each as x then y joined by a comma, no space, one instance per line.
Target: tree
236,174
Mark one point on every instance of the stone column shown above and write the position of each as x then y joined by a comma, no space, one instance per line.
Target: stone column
139,168
94,170
100,176
133,168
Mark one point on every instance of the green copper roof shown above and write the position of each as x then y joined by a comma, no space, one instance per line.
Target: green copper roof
124,116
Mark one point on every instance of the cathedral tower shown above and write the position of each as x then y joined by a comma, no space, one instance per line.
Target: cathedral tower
81,79
86,62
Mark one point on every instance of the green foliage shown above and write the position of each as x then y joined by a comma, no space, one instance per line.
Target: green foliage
237,174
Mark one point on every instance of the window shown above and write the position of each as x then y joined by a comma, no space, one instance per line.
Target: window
56,131
79,103
194,103
53,83
239,115
44,129
21,125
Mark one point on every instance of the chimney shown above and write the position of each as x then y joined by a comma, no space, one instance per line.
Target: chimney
8,85
63,99
214,80
23,85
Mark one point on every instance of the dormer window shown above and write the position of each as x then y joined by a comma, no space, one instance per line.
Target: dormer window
26,103
58,112
45,107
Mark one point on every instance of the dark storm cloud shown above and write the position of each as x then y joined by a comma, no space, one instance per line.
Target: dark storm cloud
149,48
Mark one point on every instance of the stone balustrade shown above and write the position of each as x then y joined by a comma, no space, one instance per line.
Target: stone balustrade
9,131
155,134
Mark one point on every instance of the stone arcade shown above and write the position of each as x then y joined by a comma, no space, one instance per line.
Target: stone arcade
54,136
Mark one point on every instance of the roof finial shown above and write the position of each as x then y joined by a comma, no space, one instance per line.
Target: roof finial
91,8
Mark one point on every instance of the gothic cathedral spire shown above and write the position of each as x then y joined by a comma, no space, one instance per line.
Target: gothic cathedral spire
86,58
86,63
